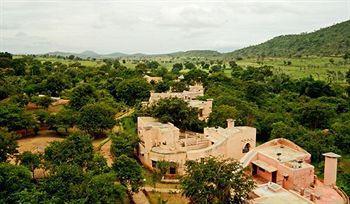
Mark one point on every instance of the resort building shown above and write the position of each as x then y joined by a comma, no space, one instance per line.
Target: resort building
284,172
191,94
165,142
204,107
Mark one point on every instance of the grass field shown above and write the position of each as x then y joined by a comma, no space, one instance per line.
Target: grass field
322,68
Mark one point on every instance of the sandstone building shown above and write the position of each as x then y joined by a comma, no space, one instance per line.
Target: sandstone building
165,142
283,172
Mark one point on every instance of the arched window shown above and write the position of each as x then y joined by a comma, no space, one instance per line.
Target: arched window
246,148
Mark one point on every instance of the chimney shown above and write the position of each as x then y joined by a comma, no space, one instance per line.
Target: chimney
230,123
330,168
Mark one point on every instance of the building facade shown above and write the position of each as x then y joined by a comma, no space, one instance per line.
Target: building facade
165,142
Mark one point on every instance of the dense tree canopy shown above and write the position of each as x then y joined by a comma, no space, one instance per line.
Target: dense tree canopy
178,112
96,118
214,180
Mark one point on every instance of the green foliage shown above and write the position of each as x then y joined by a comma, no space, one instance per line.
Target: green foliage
14,118
220,114
123,143
161,87
81,95
98,165
177,67
54,84
128,172
179,86
132,91
42,101
189,65
330,41
75,149
65,118
316,115
215,180
96,118
8,145
314,88
30,160
13,178
176,111
195,76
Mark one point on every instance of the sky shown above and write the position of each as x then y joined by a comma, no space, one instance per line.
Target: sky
157,26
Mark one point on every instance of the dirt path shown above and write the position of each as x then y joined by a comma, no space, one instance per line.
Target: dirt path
140,198
37,143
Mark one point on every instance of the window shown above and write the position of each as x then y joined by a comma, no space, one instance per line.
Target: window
172,170
200,112
154,164
246,148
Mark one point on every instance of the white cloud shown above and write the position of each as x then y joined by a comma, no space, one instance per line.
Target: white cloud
156,26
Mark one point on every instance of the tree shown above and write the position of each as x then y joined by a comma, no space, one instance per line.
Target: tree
123,143
314,88
216,180
128,172
179,87
176,111
316,115
177,67
189,65
75,149
132,91
65,118
14,118
220,114
96,118
8,145
215,68
141,67
30,160
161,87
13,179
102,189
43,101
195,76
81,95
152,64
98,165
55,83
233,64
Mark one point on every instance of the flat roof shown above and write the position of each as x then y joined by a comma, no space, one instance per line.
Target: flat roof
271,193
286,153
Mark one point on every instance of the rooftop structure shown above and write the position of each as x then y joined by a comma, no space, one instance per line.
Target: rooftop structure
287,165
165,142
192,93
272,193
204,107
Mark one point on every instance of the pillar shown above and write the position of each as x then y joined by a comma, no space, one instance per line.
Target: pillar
330,168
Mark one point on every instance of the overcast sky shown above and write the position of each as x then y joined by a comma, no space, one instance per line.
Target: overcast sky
157,26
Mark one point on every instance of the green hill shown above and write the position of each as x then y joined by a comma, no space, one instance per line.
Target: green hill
330,41
195,53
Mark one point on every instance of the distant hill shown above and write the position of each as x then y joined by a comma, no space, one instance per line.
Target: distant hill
91,54
196,53
330,41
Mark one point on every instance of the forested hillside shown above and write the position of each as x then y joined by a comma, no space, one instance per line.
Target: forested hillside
330,41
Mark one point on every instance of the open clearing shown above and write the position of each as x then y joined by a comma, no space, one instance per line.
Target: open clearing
37,143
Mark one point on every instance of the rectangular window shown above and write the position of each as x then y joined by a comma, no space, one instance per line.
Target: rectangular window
154,164
172,170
